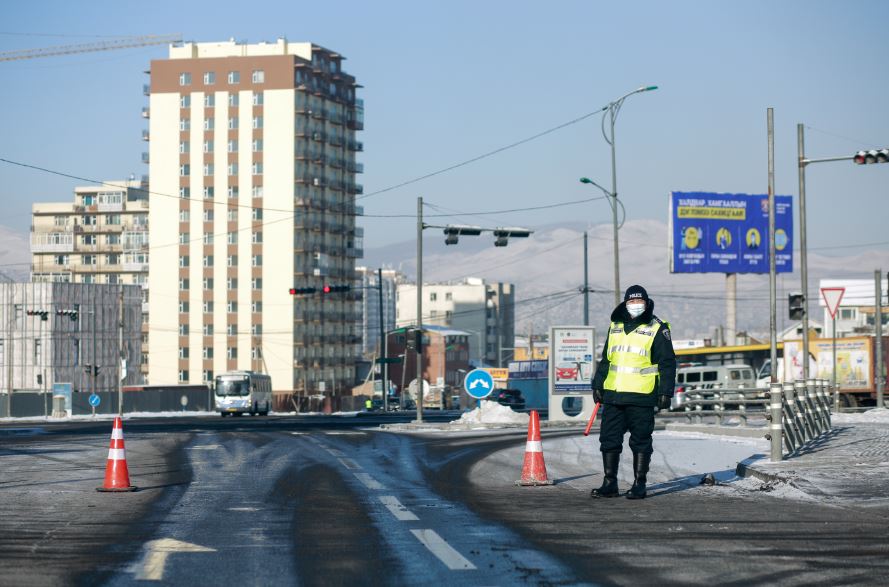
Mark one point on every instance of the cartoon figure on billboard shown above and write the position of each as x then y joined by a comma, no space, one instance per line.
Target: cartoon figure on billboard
691,237
753,239
723,238
780,239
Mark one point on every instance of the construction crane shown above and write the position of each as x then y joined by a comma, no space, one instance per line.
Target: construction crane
119,43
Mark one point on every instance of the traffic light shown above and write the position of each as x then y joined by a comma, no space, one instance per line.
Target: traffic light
42,313
453,231
336,288
298,291
91,369
502,235
872,156
72,314
795,306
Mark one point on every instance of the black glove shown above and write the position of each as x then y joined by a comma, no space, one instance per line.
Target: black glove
663,402
597,395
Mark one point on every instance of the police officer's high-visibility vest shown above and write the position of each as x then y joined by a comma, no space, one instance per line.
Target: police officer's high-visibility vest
631,369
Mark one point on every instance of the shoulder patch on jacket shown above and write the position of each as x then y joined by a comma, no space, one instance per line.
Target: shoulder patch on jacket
666,332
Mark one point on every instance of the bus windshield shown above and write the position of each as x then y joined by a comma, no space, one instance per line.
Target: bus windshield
229,387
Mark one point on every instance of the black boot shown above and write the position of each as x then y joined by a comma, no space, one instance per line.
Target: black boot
610,462
640,470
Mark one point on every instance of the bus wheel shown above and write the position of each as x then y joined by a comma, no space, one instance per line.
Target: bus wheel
265,412
223,414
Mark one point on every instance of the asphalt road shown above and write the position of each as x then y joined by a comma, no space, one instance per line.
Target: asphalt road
321,501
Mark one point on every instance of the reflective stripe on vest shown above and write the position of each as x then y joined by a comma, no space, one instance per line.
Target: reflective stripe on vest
631,369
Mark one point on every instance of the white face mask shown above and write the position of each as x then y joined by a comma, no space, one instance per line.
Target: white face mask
635,310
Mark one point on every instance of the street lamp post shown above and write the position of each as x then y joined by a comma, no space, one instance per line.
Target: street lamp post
613,110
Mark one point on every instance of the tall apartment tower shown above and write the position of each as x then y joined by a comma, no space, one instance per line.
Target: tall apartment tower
370,306
252,167
101,237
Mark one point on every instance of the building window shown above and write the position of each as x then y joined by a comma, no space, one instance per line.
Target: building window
257,191
183,376
208,375
257,238
185,193
233,123
208,330
184,238
234,77
231,283
113,259
232,352
208,190
209,100
183,261
257,122
183,147
232,261
233,100
208,283
256,307
256,261
257,168
183,284
185,170
185,101
257,99
183,307
256,283
183,352
208,215
183,330
232,146
208,170
232,214
88,259
112,220
232,168
256,330
448,296
258,76
257,146
448,315
208,352
208,260
233,192
185,124
232,238
208,307
209,78
184,79
184,216
257,214
232,307
847,314
433,297
209,123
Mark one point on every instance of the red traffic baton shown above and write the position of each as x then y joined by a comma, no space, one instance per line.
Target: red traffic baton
592,420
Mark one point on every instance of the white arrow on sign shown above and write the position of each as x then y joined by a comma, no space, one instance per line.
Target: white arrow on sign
832,298
151,567
478,382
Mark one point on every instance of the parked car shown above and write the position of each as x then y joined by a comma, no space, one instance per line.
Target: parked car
510,397
710,377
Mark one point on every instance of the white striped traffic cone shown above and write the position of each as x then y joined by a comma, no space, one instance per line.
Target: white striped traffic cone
534,469
117,477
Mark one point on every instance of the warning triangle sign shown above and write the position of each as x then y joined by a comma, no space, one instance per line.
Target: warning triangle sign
832,298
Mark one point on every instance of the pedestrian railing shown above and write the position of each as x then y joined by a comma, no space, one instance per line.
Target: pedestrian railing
798,413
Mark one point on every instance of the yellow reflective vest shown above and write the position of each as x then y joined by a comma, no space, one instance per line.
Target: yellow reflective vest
631,369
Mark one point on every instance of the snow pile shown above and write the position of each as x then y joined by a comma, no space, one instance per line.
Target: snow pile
493,413
878,415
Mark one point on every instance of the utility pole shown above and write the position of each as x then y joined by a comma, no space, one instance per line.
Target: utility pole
384,367
804,261
773,318
878,325
121,373
419,341
586,281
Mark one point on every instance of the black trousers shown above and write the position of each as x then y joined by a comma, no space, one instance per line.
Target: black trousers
618,419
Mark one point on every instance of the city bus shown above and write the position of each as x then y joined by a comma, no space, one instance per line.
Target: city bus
243,392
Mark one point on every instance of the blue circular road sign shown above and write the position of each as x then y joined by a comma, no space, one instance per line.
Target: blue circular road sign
95,400
478,383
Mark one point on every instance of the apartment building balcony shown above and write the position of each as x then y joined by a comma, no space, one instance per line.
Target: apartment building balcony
355,125
145,157
355,188
355,146
52,242
355,252
355,167
50,267
335,140
146,135
146,89
111,206
146,112
135,268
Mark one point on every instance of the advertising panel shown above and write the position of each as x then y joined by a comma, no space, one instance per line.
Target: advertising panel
728,233
854,370
571,365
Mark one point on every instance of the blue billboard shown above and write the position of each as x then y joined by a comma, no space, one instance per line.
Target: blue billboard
728,233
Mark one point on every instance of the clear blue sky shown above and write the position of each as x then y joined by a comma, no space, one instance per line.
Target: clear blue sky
447,81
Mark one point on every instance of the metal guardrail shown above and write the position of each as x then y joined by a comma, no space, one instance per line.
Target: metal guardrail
798,412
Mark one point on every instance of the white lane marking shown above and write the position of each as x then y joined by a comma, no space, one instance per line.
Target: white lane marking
151,567
342,433
350,464
298,433
442,550
399,511
243,509
204,447
335,452
369,481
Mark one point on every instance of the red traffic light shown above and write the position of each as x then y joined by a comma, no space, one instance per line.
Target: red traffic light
872,156
326,289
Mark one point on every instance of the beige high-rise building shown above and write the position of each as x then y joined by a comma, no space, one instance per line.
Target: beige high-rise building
252,169
102,237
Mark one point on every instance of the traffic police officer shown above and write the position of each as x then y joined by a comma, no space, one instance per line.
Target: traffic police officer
634,380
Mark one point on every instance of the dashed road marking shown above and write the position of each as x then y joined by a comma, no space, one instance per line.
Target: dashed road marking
350,464
442,550
369,481
151,567
399,511
335,452
243,509
204,447
343,433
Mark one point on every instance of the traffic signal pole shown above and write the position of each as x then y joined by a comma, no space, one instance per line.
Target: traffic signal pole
804,261
419,311
384,368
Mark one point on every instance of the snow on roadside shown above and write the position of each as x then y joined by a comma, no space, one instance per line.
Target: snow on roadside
876,415
492,413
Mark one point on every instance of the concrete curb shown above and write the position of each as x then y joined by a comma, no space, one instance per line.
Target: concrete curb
449,427
746,469
717,430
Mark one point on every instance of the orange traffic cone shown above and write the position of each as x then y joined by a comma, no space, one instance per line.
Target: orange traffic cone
117,477
534,469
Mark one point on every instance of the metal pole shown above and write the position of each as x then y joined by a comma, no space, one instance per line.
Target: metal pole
586,282
384,368
121,374
878,325
419,340
731,306
803,250
836,392
773,318
775,427
617,292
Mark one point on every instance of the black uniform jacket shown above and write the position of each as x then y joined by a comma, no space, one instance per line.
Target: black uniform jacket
662,355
